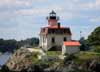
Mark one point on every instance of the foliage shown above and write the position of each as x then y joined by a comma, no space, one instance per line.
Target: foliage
86,56
30,42
97,49
94,37
5,69
84,45
11,44
69,58
35,58
7,45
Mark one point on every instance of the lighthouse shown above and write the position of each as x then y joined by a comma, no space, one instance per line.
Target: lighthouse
53,36
52,19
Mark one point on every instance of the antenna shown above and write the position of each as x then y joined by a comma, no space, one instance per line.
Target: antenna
80,34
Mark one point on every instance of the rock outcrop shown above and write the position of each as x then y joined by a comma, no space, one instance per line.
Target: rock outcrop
20,60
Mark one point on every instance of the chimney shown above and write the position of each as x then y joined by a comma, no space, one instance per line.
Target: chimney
58,25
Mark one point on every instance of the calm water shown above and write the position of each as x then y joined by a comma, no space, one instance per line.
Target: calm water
4,58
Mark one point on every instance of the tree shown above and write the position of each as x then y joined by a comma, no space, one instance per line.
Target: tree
11,44
97,49
94,37
84,46
29,42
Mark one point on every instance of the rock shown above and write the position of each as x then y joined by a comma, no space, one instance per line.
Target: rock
20,60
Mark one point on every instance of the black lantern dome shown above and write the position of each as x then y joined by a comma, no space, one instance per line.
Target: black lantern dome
52,15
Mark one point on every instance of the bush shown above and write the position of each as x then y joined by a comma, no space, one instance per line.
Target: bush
4,69
97,49
69,58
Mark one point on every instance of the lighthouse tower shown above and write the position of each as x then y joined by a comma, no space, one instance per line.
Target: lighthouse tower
52,19
53,36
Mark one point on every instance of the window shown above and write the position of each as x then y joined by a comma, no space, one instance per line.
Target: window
64,38
53,40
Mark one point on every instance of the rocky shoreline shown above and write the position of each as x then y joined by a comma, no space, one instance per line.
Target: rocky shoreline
69,66
24,61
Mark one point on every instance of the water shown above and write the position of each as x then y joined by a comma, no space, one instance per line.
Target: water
4,58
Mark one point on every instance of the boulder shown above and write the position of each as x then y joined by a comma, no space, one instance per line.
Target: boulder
21,59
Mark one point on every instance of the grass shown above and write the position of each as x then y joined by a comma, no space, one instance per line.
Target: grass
82,57
54,53
88,55
85,56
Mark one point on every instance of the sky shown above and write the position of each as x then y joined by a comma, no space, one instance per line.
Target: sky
21,19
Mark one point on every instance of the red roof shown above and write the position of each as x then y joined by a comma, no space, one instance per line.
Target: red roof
55,30
72,43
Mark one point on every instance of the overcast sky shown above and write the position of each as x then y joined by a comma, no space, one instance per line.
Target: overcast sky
21,19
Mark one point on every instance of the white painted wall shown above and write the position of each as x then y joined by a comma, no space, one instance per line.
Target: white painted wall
48,40
70,49
58,39
43,41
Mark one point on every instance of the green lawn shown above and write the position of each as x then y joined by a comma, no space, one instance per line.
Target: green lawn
53,53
